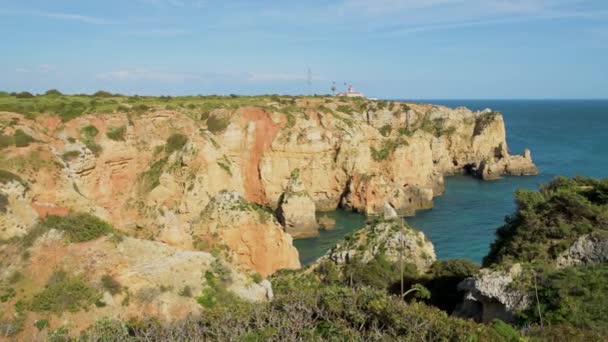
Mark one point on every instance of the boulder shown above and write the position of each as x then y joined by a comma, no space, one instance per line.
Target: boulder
327,223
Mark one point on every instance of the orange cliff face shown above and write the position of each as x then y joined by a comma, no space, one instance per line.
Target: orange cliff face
156,179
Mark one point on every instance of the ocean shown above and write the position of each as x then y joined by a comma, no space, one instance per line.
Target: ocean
566,137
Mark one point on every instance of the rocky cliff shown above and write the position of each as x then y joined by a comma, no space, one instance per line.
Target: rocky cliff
155,167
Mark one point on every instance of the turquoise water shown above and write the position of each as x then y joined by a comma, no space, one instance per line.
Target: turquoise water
566,138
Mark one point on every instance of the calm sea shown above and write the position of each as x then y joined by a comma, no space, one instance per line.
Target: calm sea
566,137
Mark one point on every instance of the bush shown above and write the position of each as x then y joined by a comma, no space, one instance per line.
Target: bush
6,176
22,139
70,155
175,142
53,92
216,124
64,293
117,133
548,221
574,296
78,227
110,284
24,95
103,93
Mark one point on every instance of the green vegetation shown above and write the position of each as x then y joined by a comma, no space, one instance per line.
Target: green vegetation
385,130
41,324
78,227
175,142
110,284
70,155
64,292
151,178
19,139
216,124
388,147
117,133
6,176
575,296
304,309
548,221
88,134
484,121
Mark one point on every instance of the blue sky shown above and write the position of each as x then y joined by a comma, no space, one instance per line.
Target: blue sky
386,48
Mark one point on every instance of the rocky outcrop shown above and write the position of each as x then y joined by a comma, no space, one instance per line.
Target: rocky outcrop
396,241
146,276
491,295
586,250
247,232
494,168
296,210
326,222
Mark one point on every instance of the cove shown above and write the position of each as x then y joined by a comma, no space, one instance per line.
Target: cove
567,137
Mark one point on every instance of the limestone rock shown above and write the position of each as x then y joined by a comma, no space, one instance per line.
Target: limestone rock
250,232
586,250
327,223
490,295
296,210
395,241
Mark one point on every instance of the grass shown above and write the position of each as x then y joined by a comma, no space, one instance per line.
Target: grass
64,292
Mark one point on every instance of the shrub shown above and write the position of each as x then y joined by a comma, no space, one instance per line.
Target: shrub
103,93
41,324
548,221
186,291
3,203
22,139
110,284
216,124
117,133
385,130
78,227
24,95
175,142
53,92
151,178
575,296
70,155
89,132
64,293
6,176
